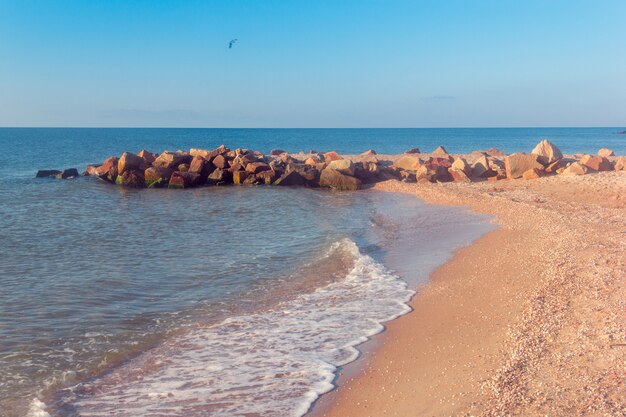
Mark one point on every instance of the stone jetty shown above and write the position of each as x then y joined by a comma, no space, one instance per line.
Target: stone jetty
223,166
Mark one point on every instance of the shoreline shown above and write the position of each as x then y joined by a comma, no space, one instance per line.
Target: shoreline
533,312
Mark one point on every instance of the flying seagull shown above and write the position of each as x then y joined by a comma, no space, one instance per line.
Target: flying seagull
231,43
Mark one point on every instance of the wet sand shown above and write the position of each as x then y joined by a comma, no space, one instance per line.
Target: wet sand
529,320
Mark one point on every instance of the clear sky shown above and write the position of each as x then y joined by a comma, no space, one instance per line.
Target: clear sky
317,63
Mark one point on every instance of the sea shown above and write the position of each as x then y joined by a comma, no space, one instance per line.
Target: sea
216,301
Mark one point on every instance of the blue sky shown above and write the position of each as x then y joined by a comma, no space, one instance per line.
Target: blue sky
352,63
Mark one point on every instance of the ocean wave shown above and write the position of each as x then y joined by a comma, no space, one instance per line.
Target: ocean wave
275,362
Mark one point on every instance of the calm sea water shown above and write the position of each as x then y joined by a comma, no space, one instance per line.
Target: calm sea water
213,301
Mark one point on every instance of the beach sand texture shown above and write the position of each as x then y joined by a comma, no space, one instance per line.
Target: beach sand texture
527,321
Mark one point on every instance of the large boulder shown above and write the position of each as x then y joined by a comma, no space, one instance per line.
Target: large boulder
266,177
620,163
180,180
240,176
219,177
518,163
338,181
43,173
132,178
555,166
574,169
605,152
441,152
596,163
129,161
276,152
200,166
547,152
310,173
171,160
313,160
108,170
532,174
148,157
157,177
461,164
67,174
481,168
495,152
256,167
412,151
221,162
345,166
332,156
368,153
408,162
458,175
291,177
367,172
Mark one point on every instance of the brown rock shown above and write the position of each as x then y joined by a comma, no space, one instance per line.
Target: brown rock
171,160
554,166
441,152
345,166
239,177
532,174
408,176
183,179
290,178
312,160
369,152
495,152
129,161
338,181
220,162
458,175
219,176
256,167
183,168
518,163
148,157
132,178
574,169
596,163
205,154
44,173
157,177
266,177
276,152
461,163
620,163
481,168
408,162
605,152
547,152
412,151
332,156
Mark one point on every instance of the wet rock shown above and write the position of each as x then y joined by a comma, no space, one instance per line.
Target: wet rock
408,162
574,169
605,152
266,177
338,181
345,166
547,152
132,178
412,151
239,177
219,177
200,166
596,163
290,178
180,180
518,163
129,161
155,177
532,174
310,173
43,173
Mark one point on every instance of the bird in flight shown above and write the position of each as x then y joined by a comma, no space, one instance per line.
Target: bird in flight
231,43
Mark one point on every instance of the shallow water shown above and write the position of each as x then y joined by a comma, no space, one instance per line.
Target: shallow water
233,301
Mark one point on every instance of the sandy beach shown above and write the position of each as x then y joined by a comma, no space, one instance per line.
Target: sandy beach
529,320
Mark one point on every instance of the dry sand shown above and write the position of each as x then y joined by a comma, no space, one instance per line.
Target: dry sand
528,321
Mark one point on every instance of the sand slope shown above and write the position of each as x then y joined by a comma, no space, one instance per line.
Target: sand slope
530,320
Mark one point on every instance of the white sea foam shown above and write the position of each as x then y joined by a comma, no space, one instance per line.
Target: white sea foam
272,363
37,409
